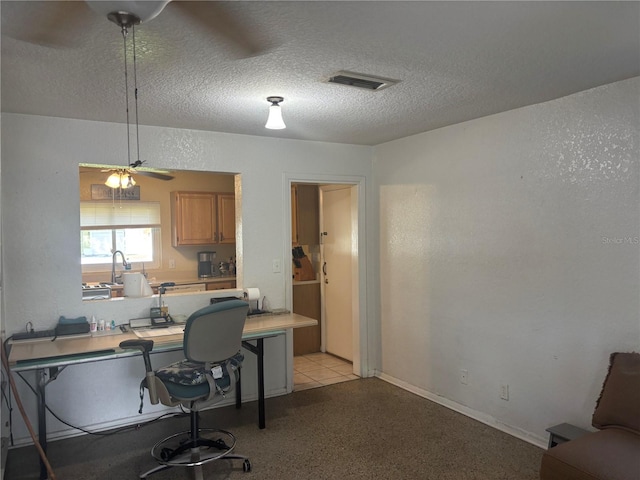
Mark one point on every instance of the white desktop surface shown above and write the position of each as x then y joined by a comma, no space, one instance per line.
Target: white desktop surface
26,354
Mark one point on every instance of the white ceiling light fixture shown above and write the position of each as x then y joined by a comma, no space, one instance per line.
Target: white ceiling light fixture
274,121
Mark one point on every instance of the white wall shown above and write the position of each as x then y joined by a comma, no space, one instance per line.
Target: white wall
41,242
509,247
492,256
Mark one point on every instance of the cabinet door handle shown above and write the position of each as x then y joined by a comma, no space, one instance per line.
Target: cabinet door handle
221,236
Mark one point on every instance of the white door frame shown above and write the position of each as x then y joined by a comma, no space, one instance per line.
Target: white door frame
361,358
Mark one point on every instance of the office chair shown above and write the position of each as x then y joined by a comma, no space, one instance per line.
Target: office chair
212,342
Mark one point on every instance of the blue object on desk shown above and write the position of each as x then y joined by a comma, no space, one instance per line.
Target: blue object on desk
71,321
72,326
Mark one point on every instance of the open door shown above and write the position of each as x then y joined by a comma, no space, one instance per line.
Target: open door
339,258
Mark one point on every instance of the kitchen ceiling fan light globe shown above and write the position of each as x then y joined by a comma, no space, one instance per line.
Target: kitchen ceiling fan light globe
275,121
113,181
120,180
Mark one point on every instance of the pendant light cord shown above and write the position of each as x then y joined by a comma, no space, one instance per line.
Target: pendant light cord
126,90
135,91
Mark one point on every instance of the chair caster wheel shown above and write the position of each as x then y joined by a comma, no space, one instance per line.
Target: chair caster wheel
166,454
246,465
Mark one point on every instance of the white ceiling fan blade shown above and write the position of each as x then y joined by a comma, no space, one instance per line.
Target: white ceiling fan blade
220,23
51,24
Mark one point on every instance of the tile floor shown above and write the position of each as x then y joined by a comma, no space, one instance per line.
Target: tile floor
320,369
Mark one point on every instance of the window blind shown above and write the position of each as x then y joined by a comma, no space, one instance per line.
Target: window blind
103,215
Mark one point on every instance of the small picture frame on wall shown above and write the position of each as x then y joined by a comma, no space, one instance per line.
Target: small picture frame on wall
102,192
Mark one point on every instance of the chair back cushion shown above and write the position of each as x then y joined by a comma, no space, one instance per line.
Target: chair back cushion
619,402
214,333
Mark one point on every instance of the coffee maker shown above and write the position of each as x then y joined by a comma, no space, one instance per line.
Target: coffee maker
206,265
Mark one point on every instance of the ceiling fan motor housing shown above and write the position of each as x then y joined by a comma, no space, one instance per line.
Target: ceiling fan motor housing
143,10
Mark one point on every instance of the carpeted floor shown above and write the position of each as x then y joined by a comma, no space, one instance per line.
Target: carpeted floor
362,429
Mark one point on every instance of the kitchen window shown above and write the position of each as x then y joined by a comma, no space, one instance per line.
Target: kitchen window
133,228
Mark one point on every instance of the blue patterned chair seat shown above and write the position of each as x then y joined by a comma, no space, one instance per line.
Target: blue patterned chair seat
188,380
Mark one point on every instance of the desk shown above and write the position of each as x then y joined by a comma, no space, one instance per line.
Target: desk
44,354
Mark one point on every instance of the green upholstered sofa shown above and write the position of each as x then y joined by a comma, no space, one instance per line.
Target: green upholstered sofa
612,452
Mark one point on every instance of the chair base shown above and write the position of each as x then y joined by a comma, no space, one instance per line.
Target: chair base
196,452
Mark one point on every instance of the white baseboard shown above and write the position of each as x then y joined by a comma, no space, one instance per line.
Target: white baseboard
469,412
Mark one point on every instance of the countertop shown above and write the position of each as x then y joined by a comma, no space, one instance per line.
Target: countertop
154,282
187,281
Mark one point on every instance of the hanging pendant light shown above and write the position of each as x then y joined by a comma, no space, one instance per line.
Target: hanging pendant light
274,121
122,178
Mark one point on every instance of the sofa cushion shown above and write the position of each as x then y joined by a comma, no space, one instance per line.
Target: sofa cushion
611,454
619,402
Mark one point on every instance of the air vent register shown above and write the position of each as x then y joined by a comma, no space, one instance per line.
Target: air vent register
361,81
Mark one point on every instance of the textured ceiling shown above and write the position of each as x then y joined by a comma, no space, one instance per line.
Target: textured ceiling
455,61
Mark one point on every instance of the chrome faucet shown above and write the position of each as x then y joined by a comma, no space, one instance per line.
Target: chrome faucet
113,265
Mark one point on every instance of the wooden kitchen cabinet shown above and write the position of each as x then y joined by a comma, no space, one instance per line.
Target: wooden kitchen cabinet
306,301
226,217
221,285
305,215
202,218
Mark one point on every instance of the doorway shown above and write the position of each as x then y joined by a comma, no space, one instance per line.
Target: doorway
331,295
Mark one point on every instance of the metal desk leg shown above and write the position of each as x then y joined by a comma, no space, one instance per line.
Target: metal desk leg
239,389
41,384
42,418
258,350
261,414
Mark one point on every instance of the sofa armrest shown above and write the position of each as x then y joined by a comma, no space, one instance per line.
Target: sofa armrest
611,454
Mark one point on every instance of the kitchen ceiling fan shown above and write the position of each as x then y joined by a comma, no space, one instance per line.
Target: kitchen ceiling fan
53,24
123,177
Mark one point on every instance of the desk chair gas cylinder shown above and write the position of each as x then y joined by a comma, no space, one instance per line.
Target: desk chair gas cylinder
212,342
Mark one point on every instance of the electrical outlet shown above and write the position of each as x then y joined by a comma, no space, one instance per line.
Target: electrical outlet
172,263
277,268
464,376
504,391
